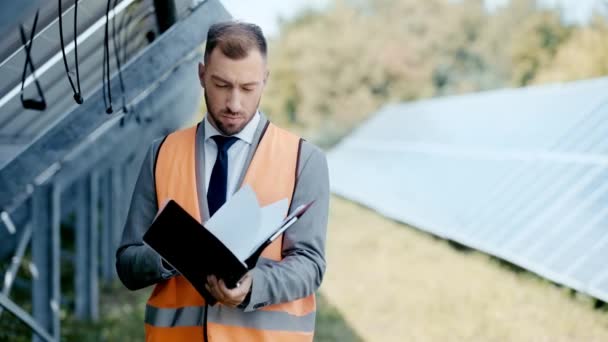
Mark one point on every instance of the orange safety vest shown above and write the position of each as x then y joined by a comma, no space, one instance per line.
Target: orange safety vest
175,309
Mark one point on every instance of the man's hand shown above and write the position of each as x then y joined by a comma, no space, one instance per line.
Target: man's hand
226,296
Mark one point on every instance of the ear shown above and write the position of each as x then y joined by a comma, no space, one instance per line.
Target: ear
201,73
266,75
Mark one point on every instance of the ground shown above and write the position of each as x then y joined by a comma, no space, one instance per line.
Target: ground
387,281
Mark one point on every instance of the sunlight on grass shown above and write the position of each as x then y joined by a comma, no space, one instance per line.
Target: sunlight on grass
389,282
123,317
394,283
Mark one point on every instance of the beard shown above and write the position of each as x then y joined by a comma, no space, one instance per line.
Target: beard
223,128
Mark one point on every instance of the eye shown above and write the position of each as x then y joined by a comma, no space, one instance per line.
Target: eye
247,90
221,85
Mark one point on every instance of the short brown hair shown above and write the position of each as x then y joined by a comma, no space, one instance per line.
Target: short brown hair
235,39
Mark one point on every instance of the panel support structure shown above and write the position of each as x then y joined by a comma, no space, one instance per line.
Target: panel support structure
46,258
87,250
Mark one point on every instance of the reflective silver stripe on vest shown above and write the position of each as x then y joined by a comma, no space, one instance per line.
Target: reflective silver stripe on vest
265,320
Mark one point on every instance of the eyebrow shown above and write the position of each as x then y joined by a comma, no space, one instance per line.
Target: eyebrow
248,84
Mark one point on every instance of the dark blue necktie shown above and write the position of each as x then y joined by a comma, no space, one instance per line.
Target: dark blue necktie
216,194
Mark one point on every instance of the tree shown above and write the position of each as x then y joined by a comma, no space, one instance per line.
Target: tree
535,43
584,55
331,69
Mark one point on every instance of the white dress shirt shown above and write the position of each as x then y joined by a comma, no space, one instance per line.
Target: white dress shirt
237,153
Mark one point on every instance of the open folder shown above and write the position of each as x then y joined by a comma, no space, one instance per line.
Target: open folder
227,245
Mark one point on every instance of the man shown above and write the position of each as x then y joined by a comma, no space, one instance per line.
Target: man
200,168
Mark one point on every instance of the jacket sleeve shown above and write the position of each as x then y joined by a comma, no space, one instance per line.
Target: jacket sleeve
301,270
137,264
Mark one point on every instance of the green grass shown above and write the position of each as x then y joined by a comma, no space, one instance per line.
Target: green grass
122,319
330,325
390,282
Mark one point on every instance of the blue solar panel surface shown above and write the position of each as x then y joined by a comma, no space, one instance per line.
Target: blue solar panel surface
521,174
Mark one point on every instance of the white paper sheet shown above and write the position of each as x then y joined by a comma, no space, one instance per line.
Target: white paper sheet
241,225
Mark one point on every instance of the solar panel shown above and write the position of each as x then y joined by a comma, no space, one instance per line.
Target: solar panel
518,173
599,286
584,234
19,127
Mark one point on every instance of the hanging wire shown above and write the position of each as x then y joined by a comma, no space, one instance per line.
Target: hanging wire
106,65
117,57
39,105
123,35
103,88
77,92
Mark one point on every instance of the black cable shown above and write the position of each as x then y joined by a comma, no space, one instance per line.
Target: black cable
76,51
77,93
123,35
205,332
106,64
30,103
124,32
117,57
103,72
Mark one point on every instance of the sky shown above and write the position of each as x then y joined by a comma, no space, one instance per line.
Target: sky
266,13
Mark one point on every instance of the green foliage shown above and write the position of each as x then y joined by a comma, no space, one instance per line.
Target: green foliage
330,325
535,44
123,320
332,68
13,330
584,55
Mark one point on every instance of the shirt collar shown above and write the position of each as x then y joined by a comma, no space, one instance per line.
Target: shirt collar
246,134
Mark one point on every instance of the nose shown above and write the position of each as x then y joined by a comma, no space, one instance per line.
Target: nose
234,102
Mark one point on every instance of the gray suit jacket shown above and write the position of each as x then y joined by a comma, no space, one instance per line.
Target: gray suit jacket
300,272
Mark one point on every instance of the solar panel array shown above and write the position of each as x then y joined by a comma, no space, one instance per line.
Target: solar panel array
521,174
19,127
133,25
71,168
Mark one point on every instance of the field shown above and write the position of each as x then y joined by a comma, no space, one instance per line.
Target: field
390,282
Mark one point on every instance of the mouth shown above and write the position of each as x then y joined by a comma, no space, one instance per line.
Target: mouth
231,118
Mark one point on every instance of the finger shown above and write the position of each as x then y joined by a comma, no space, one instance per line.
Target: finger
245,277
235,292
221,286
233,296
213,288
247,281
211,291
248,277
213,282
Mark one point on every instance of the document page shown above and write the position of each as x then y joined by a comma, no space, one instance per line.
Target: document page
272,216
241,225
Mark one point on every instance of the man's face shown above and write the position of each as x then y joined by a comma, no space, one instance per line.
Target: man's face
233,89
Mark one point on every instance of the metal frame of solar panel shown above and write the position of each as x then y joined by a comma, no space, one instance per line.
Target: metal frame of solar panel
72,159
517,173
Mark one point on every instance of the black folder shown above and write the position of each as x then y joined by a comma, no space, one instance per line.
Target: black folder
195,252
